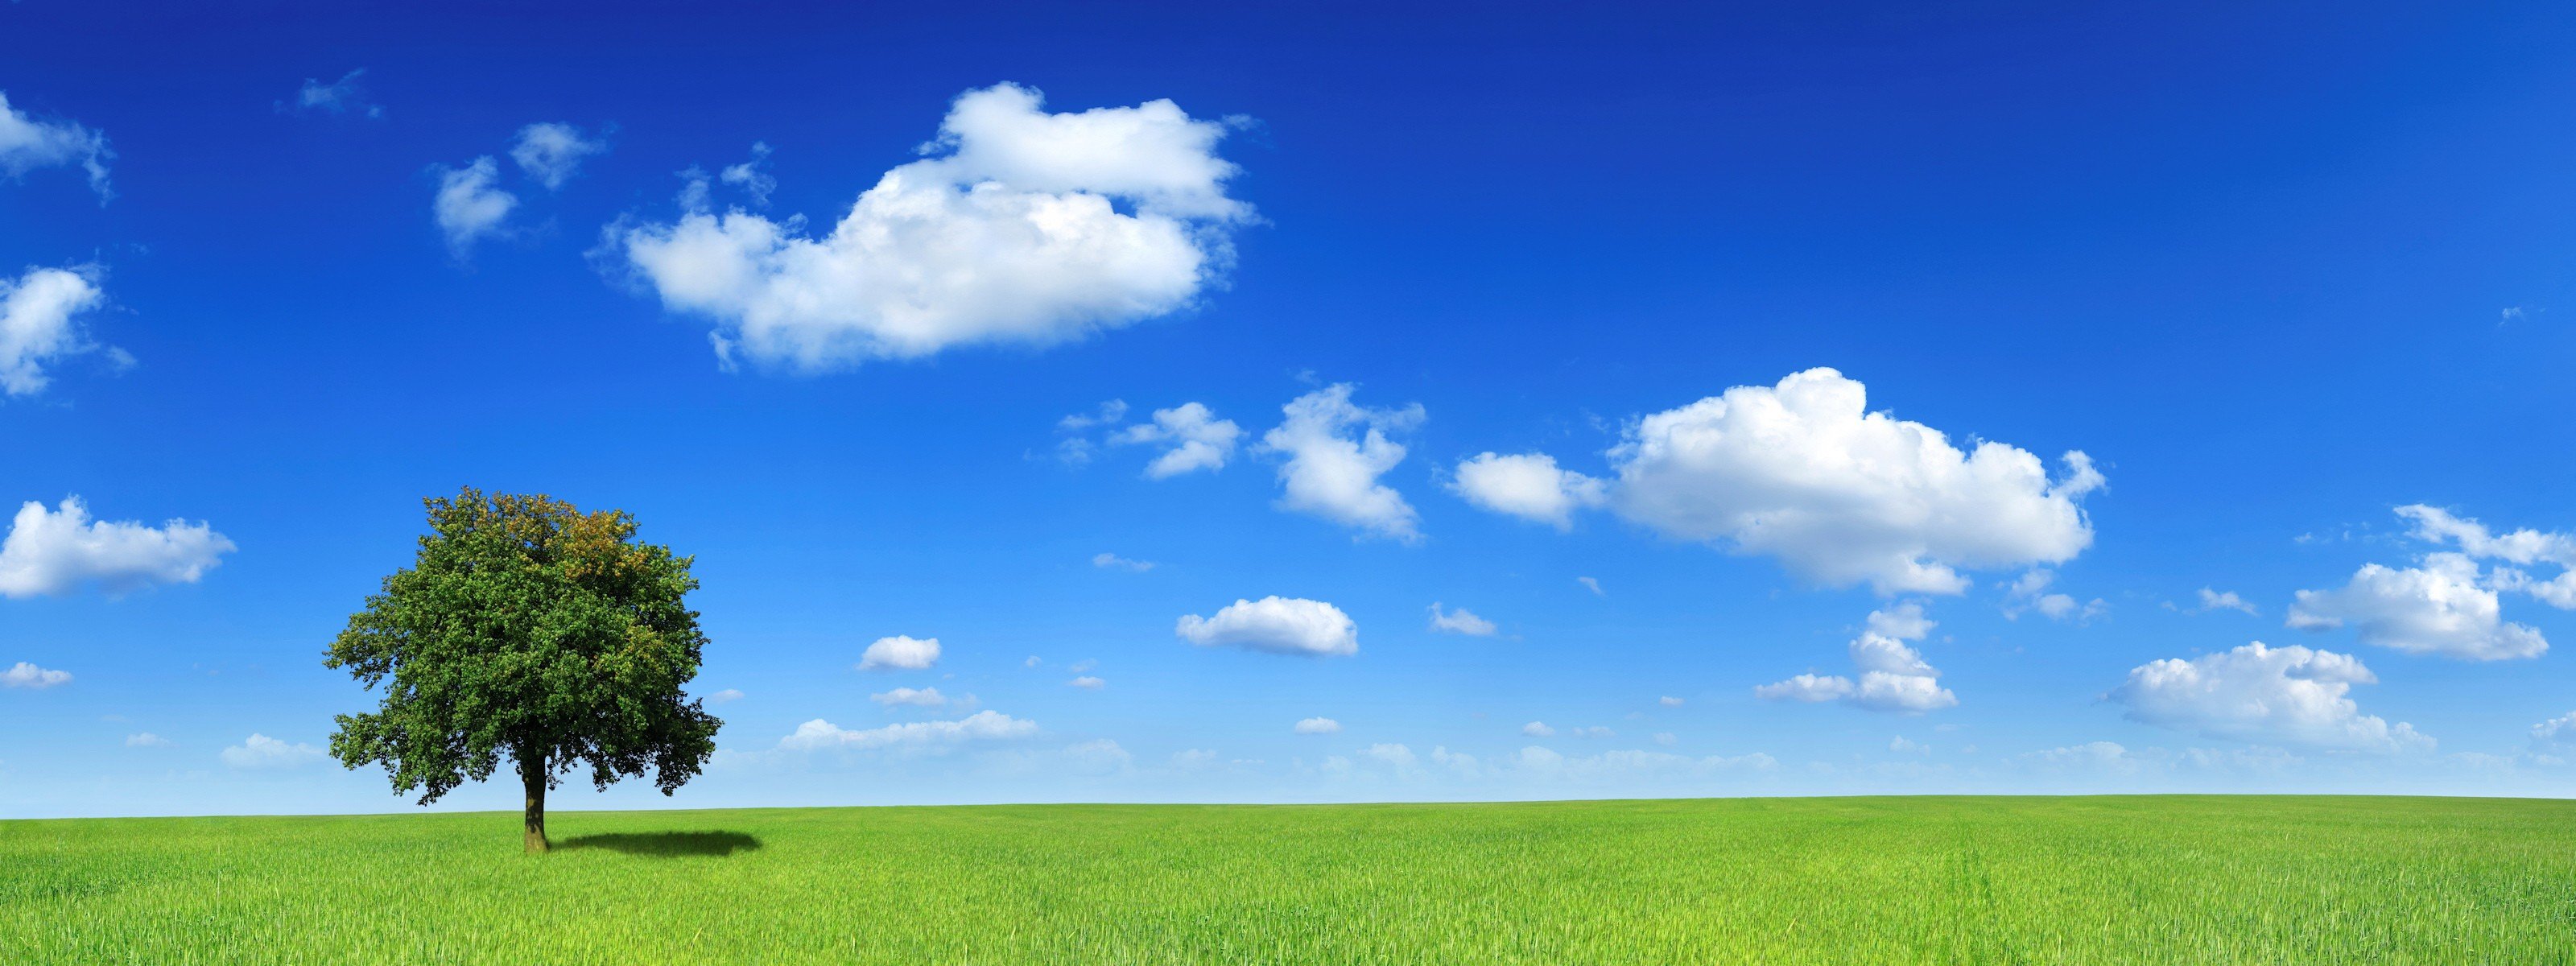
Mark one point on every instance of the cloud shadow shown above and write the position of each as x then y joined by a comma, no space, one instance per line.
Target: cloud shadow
665,844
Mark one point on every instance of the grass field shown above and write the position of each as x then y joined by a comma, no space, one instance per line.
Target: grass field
1851,880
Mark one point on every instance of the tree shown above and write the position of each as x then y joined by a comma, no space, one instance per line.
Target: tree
530,629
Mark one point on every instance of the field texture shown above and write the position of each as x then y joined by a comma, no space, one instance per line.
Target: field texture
1853,880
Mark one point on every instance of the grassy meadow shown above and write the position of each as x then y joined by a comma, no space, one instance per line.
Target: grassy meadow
1825,880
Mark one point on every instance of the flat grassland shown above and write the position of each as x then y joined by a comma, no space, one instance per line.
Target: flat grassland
1823,880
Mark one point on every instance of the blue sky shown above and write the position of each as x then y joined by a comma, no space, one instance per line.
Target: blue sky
2293,282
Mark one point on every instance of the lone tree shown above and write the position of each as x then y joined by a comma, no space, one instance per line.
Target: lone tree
530,629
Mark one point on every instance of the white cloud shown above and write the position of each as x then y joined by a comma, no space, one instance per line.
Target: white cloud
146,740
2525,546
1460,621
2434,609
1906,746
2558,592
1317,726
1011,232
2094,754
1087,683
1669,701
2211,600
2062,607
1804,472
2019,595
1594,731
1459,762
342,96
2521,548
1073,451
262,751
52,553
1667,739
1395,756
1111,561
25,675
2029,593
28,143
551,153
1807,687
728,694
1529,486
1198,440
1893,676
470,206
2555,738
1110,413
1592,585
1336,452
2111,758
900,652
2553,741
1076,449
752,176
912,735
1098,756
1279,625
912,697
1538,729
2289,695
1545,765
37,324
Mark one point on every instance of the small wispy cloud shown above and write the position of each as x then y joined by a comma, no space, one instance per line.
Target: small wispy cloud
1111,561
1460,621
25,675
551,153
912,697
2211,600
343,96
29,142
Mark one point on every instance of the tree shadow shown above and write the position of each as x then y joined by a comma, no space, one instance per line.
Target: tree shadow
665,844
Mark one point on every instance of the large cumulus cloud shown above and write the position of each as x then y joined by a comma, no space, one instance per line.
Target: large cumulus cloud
1021,226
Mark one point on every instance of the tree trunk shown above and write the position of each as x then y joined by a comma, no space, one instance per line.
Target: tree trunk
533,775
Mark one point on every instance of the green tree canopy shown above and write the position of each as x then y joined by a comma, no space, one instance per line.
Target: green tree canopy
529,629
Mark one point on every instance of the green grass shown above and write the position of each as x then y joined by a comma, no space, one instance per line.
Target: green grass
1849,880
